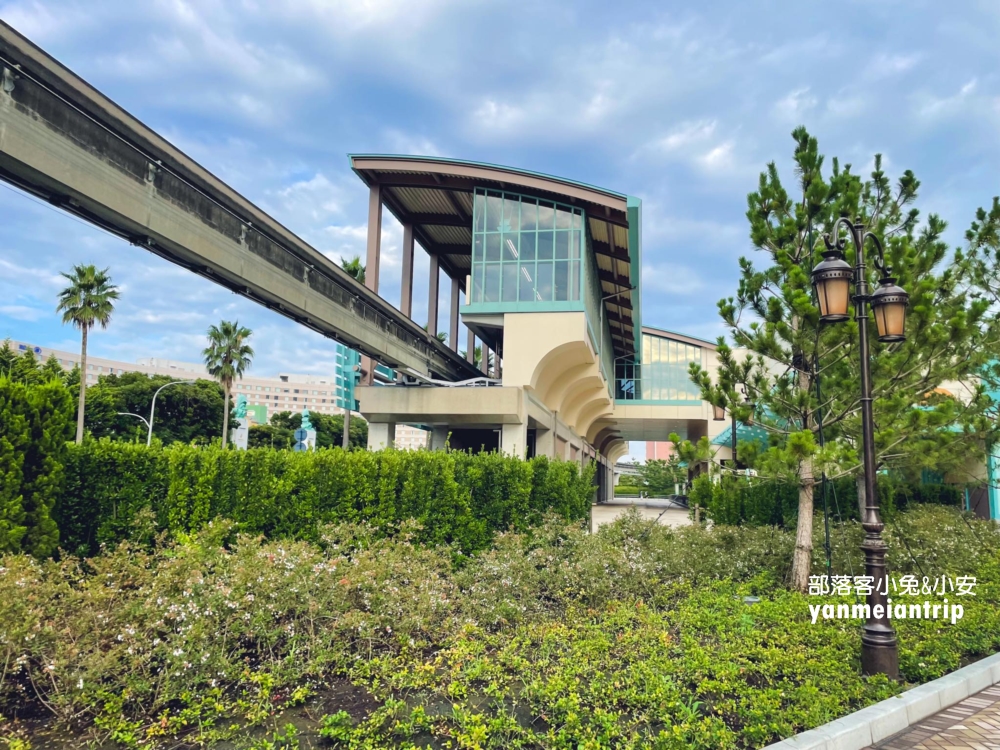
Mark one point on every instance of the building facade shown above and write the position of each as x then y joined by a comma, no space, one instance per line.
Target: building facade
546,276
265,396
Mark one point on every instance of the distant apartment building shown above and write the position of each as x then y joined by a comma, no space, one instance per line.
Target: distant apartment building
286,392
659,451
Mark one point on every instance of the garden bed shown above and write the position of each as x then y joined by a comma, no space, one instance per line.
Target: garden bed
636,636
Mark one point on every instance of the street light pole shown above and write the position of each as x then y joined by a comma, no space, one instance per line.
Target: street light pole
879,652
832,277
130,414
152,408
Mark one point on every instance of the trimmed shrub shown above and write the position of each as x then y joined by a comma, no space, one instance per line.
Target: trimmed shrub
458,498
765,503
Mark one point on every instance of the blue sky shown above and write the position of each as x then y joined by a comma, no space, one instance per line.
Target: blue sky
682,104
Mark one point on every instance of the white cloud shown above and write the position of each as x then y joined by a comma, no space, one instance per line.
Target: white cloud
795,105
687,134
671,278
18,273
718,158
23,312
930,106
400,142
885,65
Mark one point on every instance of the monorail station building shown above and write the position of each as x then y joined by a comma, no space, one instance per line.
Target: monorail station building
546,274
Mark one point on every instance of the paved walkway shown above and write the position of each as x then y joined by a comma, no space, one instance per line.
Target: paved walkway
972,724
649,508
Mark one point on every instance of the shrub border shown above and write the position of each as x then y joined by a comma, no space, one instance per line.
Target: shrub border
893,715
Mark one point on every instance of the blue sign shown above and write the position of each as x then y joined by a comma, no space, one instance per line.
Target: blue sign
300,435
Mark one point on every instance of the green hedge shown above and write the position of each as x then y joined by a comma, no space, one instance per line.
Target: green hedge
738,501
457,497
34,427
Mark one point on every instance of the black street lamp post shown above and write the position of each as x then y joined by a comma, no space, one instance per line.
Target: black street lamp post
831,278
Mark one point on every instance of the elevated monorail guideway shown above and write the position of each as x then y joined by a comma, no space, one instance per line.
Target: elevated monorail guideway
63,141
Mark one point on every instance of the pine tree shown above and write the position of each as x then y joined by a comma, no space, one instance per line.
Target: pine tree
53,369
774,318
7,358
26,369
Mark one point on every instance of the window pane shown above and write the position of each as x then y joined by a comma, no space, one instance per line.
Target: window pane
574,280
574,245
493,247
544,286
562,281
477,284
509,247
563,218
494,212
511,214
479,210
578,221
545,216
562,245
527,245
510,282
545,245
491,292
477,249
529,215
526,292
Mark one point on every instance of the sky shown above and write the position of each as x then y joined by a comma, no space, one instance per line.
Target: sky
681,104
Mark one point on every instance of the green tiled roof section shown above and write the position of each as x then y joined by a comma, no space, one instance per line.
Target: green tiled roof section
744,433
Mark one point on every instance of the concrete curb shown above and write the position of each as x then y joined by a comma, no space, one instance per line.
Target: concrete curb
876,723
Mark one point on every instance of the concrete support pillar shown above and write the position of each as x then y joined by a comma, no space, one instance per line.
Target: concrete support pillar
432,297
485,362
373,256
381,435
514,439
456,292
374,253
406,287
470,346
545,443
439,437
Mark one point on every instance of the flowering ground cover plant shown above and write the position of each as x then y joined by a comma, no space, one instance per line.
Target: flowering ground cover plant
636,636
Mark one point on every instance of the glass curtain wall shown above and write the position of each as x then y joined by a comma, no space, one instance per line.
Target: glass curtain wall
663,374
525,250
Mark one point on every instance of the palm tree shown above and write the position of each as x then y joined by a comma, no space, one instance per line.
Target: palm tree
354,267
441,336
89,300
227,357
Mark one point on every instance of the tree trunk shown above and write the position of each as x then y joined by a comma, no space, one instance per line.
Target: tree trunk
347,428
83,387
859,482
225,415
802,557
